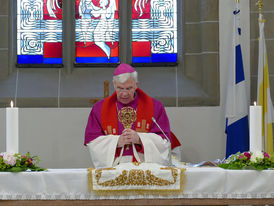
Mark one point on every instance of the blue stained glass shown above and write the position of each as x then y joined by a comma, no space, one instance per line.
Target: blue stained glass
97,60
53,60
29,59
163,57
141,59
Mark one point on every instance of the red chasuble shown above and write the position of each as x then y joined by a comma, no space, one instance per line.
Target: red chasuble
109,120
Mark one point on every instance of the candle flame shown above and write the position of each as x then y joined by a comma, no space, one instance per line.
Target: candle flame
11,104
255,104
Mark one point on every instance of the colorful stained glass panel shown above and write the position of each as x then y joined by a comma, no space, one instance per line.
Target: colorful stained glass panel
39,31
97,31
154,31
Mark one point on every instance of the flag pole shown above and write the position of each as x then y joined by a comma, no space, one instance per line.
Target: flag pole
263,86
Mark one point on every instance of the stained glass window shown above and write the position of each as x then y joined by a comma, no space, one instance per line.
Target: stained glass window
97,31
39,32
154,31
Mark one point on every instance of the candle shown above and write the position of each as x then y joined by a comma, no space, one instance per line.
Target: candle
12,129
255,128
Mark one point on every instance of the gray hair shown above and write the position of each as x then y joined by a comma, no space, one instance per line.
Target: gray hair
124,77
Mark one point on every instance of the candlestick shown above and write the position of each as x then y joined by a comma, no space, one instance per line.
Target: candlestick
255,128
12,137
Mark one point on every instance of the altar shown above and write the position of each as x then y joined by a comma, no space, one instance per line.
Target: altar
202,186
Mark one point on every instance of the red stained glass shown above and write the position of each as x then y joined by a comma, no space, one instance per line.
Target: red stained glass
52,49
55,7
138,9
89,49
96,3
141,49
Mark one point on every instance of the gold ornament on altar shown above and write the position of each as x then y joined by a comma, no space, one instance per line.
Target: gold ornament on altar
137,177
127,116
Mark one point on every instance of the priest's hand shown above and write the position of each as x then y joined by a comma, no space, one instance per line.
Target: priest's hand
123,140
132,136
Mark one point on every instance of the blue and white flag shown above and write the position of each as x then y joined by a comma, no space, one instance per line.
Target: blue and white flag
237,128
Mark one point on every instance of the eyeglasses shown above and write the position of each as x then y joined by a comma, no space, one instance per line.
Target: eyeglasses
119,89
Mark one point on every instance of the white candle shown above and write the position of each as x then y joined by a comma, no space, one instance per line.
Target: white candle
255,128
12,139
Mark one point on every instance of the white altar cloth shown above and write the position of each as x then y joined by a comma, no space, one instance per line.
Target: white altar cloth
64,184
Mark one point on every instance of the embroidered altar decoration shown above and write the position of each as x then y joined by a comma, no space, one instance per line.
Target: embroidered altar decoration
15,162
136,178
249,160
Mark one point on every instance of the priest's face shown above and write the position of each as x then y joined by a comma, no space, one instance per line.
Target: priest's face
125,91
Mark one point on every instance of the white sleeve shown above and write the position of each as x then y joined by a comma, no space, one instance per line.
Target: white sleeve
102,150
176,153
156,149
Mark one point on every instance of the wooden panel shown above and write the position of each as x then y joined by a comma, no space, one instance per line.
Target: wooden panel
187,201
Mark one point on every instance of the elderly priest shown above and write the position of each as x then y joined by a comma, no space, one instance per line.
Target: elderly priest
128,126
